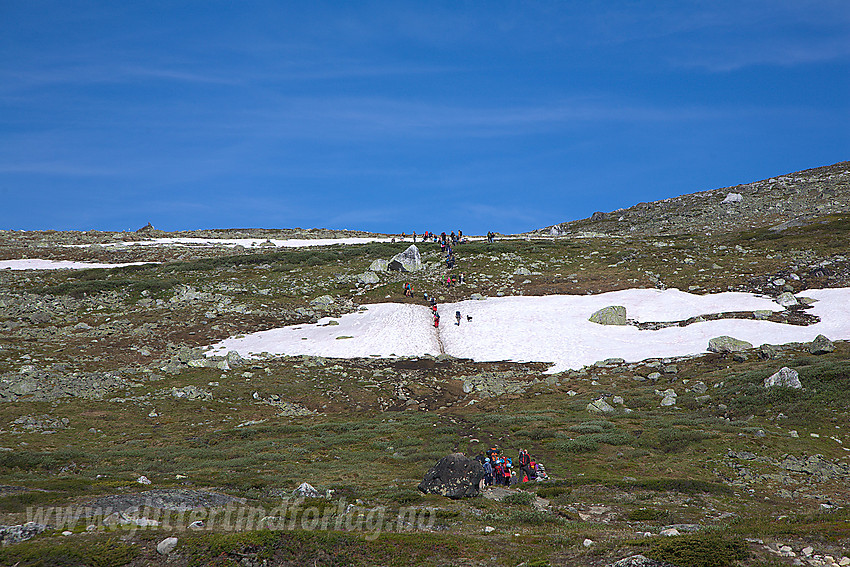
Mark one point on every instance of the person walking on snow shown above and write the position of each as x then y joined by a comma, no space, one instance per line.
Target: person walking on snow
457,316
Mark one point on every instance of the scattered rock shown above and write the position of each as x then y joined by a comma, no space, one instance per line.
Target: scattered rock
600,406
306,490
454,476
322,301
166,546
20,532
368,278
407,261
786,299
639,561
379,265
143,480
821,345
733,198
726,344
612,315
786,377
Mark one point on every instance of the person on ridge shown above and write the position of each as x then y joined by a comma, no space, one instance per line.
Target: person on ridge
457,316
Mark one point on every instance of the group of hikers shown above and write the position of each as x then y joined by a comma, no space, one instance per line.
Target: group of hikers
499,469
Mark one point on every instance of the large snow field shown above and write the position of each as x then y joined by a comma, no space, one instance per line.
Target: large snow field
36,264
547,329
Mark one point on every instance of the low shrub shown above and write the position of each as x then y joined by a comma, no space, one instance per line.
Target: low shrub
519,499
697,550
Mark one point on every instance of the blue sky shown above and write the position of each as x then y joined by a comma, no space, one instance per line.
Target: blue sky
399,116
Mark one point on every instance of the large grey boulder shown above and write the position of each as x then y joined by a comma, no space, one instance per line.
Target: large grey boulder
379,265
454,476
821,345
20,532
407,261
612,315
726,344
368,278
786,377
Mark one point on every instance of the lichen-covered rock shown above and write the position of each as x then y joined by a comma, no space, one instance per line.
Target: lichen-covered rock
368,278
379,265
786,377
407,261
786,299
726,344
454,476
612,315
821,345
20,532
600,406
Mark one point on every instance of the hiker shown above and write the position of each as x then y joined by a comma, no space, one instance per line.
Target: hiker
436,319
414,237
488,472
460,280
408,289
457,316
524,465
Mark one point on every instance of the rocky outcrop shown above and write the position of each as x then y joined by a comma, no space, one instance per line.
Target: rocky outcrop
454,476
368,278
600,406
21,532
612,315
640,561
379,265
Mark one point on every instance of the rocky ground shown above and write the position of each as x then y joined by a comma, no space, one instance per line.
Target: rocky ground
107,399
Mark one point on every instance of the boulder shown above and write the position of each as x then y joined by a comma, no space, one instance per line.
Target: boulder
733,198
522,271
600,406
598,216
20,532
821,345
786,299
306,490
407,261
726,344
368,278
612,315
166,546
454,476
786,377
379,265
322,301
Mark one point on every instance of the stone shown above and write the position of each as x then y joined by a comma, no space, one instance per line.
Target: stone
166,546
305,490
322,301
407,261
767,352
478,297
522,271
639,561
143,480
379,265
726,344
489,529
699,387
587,542
368,278
733,198
786,299
668,401
821,345
762,314
786,377
600,406
611,315
454,476
670,532
808,551
20,532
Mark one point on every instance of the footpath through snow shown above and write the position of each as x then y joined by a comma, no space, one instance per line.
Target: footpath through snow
547,329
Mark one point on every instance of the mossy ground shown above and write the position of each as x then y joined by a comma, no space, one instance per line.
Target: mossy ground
612,477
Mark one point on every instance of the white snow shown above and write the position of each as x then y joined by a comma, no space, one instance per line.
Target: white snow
548,329
36,264
246,242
